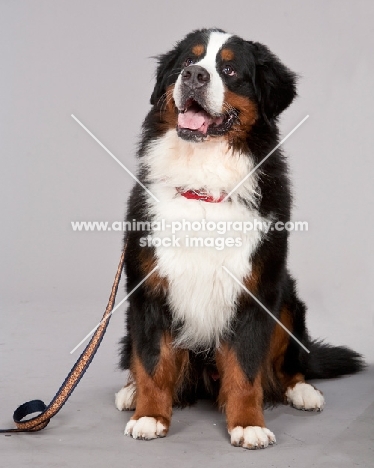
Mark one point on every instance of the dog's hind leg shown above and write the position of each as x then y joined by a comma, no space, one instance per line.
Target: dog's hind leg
287,360
304,396
125,399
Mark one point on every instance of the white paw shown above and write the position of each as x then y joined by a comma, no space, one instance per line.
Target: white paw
305,397
251,437
125,398
145,428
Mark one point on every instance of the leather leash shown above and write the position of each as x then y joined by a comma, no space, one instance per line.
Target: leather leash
47,412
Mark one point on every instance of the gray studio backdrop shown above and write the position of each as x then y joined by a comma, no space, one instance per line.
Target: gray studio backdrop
93,59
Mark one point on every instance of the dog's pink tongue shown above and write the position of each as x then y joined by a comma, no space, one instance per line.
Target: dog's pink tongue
194,120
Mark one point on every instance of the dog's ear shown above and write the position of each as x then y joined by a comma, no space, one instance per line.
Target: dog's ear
166,73
274,83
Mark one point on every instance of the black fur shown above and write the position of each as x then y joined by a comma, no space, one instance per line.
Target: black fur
326,361
274,83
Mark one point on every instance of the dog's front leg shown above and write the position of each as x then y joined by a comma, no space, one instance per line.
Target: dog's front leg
154,392
242,400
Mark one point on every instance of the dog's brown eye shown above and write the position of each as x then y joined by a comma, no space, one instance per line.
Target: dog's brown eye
229,70
189,61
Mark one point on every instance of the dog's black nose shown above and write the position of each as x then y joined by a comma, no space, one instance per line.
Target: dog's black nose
195,76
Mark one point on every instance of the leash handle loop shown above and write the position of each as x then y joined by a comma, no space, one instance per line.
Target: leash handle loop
47,412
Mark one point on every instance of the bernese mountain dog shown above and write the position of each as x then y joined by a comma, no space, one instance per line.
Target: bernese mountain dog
215,312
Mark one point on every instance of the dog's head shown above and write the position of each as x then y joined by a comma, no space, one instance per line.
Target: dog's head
213,84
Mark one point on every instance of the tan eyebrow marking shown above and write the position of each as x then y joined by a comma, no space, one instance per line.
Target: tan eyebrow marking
198,49
227,54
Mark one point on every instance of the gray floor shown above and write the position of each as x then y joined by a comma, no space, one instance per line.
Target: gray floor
88,432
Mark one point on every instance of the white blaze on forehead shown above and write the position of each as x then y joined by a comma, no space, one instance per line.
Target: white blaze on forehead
216,90
216,42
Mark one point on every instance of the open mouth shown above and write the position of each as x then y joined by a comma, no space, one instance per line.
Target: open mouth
195,123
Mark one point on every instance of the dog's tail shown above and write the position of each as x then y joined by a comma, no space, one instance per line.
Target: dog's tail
326,361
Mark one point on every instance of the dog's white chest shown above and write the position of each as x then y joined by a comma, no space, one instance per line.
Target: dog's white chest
201,294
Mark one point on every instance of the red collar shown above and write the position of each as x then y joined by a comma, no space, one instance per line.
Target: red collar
200,195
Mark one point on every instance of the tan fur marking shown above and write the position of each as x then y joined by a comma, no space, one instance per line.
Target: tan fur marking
167,112
279,341
248,114
241,400
251,282
198,49
291,381
227,54
278,346
155,283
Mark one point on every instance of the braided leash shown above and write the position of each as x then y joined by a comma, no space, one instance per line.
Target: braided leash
47,412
